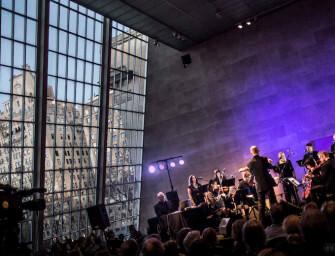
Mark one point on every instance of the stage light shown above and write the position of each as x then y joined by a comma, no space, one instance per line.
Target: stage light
240,26
161,166
181,162
248,23
172,164
152,169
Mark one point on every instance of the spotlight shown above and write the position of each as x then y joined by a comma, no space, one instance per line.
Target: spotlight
152,169
181,162
248,23
179,37
174,34
172,164
240,26
161,166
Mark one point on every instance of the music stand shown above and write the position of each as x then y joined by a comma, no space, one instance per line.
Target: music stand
229,183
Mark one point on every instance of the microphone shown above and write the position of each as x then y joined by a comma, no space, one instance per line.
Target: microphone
290,152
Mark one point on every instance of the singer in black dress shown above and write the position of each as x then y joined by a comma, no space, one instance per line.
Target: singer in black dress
285,170
193,191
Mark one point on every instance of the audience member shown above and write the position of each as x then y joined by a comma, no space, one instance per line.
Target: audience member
277,217
291,228
253,236
314,230
136,234
156,236
180,239
328,208
310,205
271,252
152,247
239,246
171,248
199,247
129,248
190,238
209,235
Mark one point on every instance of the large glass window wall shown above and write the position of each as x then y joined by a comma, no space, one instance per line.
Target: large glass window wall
73,111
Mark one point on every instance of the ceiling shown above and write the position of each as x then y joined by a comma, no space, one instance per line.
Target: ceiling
194,20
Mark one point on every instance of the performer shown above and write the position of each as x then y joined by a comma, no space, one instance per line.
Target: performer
327,179
214,199
285,170
219,178
310,154
194,194
247,194
163,206
264,182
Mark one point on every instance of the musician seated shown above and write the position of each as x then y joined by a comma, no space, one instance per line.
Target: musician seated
163,206
193,191
326,180
247,193
214,200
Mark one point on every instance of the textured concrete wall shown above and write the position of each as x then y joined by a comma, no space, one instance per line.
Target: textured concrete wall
272,85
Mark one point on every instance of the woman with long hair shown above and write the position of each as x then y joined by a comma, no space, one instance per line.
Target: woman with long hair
193,191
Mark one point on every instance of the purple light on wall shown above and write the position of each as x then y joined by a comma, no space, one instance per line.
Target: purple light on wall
152,169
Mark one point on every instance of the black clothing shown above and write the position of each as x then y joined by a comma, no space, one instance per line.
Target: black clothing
250,190
222,182
328,176
259,169
162,208
285,170
332,149
308,156
196,195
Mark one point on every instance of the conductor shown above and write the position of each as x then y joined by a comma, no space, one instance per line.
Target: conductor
264,182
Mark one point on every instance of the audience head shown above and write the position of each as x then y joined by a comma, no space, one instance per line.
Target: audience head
129,248
277,213
180,238
199,248
190,238
237,229
310,205
171,248
254,150
328,208
156,236
102,253
309,147
313,227
152,247
253,235
209,235
217,173
271,252
291,224
291,227
121,237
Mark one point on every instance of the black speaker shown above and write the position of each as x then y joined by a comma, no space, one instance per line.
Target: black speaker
290,209
186,59
173,197
98,216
